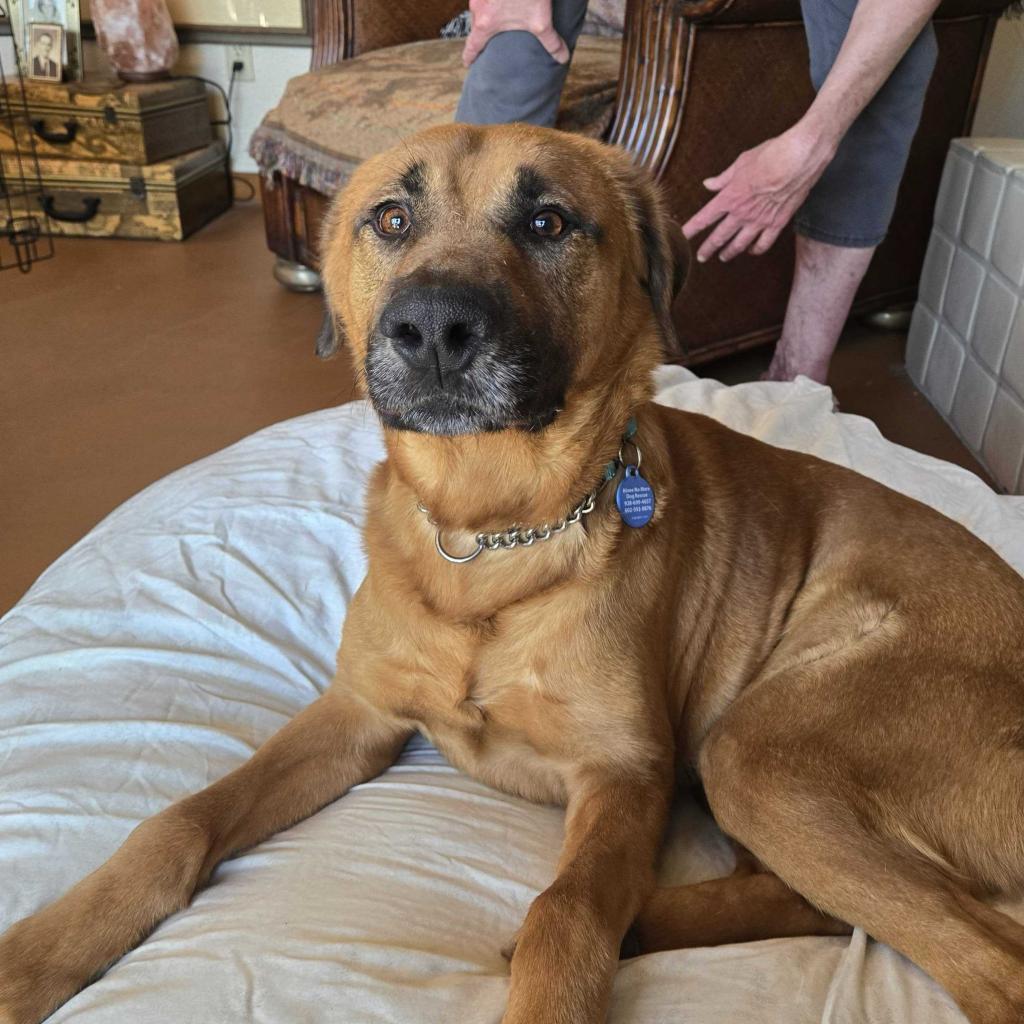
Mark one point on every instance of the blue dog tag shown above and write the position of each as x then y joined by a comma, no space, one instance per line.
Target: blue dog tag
634,498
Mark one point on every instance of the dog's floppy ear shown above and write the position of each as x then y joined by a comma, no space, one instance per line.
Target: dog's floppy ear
665,251
680,258
331,336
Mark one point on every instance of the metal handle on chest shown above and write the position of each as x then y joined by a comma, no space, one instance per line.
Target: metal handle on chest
90,207
64,138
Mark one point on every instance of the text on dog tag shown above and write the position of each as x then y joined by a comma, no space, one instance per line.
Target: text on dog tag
634,498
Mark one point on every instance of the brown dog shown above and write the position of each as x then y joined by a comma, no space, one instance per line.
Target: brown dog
841,665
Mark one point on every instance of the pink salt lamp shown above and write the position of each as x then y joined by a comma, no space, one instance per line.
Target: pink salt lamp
137,36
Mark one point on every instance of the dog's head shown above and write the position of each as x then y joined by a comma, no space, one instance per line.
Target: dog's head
481,276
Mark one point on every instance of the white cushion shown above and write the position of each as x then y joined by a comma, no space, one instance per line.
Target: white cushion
187,627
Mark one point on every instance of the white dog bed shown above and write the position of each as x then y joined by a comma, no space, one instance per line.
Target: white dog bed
193,622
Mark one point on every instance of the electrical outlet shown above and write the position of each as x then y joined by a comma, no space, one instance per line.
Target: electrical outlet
241,54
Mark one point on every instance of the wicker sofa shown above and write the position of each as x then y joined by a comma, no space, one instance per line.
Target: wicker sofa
686,88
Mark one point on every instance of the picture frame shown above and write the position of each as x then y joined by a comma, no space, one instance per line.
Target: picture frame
289,22
286,23
44,54
246,15
64,13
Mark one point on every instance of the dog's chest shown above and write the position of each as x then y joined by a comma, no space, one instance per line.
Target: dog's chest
514,707
520,698
503,719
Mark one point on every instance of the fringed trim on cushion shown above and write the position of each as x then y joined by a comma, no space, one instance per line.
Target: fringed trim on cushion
330,120
277,151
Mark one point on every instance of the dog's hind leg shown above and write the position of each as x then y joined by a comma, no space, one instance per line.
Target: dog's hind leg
329,747
798,802
740,908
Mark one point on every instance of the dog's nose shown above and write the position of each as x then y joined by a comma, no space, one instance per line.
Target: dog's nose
435,328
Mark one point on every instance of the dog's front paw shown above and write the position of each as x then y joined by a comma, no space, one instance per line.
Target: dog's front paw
9,1014
33,980
15,986
15,1000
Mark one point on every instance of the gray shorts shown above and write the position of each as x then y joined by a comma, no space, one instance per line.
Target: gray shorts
515,78
853,201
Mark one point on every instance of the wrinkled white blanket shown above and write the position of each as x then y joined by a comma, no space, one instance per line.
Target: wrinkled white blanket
197,618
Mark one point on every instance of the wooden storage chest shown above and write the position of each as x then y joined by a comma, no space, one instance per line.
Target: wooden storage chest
104,119
166,200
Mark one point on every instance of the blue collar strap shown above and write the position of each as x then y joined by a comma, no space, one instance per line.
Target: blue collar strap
616,464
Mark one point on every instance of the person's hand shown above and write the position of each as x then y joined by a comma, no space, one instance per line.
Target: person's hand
759,193
493,16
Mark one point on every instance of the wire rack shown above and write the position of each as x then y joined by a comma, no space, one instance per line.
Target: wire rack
24,228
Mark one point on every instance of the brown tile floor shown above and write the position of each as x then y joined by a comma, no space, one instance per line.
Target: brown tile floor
125,360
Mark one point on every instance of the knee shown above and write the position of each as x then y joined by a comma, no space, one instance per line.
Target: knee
722,767
740,780
505,64
514,79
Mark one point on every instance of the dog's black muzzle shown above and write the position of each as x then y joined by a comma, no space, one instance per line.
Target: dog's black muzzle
451,358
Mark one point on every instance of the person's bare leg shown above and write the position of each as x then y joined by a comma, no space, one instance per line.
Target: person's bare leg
825,281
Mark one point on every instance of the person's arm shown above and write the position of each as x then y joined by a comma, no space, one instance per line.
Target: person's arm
493,16
761,191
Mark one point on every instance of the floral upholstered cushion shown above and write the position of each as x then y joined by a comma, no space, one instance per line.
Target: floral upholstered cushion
605,17
330,120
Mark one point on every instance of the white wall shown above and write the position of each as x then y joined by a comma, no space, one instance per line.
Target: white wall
272,66
1001,104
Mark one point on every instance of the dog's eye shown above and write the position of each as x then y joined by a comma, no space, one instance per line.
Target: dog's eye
547,224
392,221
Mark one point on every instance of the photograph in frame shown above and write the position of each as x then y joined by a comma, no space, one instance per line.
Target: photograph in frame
64,13
44,52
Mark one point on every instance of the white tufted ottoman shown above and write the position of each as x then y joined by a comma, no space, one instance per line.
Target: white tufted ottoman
966,345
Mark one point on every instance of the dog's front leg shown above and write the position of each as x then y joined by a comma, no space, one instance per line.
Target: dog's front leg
568,948
329,747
